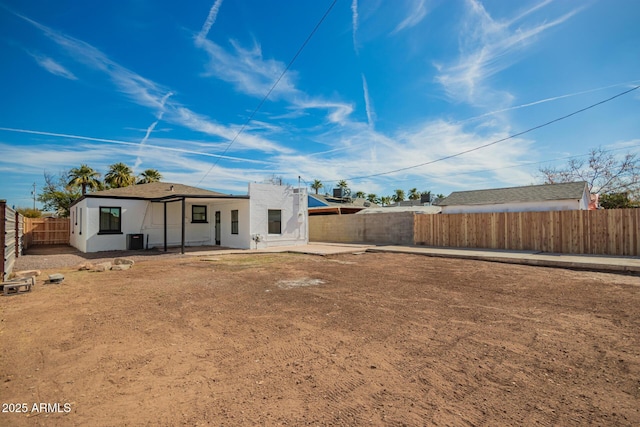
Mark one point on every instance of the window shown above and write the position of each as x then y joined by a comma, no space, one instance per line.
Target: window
109,220
198,213
234,222
275,221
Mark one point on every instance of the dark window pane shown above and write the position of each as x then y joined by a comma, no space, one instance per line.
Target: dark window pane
275,221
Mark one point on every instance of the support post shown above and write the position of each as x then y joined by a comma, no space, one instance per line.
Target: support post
183,224
165,226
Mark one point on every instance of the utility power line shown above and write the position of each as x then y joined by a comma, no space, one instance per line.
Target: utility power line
255,111
497,141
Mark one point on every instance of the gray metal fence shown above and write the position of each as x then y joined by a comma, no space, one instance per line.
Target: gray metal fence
11,234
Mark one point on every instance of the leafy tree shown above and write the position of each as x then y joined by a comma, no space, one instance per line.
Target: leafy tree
83,177
440,196
29,212
398,196
119,175
57,196
617,201
603,172
360,194
414,194
385,200
373,198
149,175
342,183
317,184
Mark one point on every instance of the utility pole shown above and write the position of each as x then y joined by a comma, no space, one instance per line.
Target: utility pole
33,193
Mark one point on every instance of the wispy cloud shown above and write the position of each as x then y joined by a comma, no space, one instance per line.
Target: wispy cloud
211,19
488,46
354,23
367,102
252,74
52,66
248,71
147,93
415,15
129,143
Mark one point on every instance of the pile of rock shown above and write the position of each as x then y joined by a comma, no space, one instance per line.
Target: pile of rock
117,264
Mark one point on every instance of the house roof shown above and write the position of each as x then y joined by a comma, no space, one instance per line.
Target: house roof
159,191
357,202
530,193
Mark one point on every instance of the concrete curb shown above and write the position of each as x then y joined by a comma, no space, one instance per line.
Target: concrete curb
604,264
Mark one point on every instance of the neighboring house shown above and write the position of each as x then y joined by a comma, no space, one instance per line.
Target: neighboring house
327,205
161,214
546,197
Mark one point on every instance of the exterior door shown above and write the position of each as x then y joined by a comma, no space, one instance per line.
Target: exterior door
217,227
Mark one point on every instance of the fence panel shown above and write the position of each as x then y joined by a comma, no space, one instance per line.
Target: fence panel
10,239
46,231
604,232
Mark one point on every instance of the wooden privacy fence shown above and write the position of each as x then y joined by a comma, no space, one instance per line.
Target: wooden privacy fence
601,232
11,239
46,231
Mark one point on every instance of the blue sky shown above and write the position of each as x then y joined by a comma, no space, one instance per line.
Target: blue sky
382,85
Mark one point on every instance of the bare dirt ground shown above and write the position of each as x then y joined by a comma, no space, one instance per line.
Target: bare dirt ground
283,339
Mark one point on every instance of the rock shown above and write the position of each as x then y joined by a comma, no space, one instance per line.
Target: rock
103,266
85,266
123,261
120,267
26,273
56,278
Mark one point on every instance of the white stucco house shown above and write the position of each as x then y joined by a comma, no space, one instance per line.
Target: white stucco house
161,214
531,198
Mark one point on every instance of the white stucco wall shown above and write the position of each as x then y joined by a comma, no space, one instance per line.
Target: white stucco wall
147,218
78,229
550,205
293,204
131,218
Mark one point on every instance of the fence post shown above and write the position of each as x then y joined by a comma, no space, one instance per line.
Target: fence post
18,251
3,210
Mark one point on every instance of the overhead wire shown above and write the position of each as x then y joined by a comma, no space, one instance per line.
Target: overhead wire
264,99
566,116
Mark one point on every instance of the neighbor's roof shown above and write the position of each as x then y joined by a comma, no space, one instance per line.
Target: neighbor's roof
158,191
530,193
356,202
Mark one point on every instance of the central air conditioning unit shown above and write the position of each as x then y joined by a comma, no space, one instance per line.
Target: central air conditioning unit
339,192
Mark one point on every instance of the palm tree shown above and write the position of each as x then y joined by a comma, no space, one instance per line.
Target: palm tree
385,200
373,198
414,194
84,177
317,184
342,183
149,175
360,194
399,196
119,175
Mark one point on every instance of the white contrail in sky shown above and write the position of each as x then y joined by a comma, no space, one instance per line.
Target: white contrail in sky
367,102
151,128
135,144
354,19
542,101
211,18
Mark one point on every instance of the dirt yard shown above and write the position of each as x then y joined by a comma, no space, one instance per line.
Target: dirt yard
283,339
